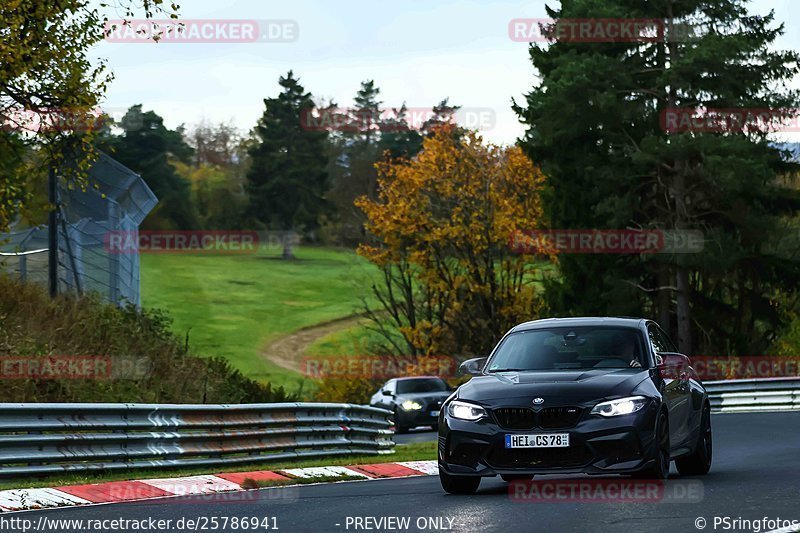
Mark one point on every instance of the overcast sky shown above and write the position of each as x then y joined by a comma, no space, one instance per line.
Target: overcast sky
417,51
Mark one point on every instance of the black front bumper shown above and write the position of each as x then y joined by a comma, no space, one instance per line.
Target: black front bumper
618,445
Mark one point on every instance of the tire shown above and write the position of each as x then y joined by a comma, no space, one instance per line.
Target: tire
660,468
458,484
699,462
508,478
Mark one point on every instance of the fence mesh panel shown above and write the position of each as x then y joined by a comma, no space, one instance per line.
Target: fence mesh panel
116,200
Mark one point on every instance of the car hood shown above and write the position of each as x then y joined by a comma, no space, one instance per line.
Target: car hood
566,386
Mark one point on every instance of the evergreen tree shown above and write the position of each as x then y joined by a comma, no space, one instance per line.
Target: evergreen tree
356,148
442,113
398,138
595,124
148,148
287,180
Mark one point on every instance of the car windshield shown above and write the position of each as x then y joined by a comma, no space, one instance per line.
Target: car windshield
411,386
569,348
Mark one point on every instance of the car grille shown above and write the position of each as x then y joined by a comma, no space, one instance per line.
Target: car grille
515,417
559,417
547,418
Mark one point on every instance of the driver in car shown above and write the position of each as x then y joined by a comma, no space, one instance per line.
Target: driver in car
625,348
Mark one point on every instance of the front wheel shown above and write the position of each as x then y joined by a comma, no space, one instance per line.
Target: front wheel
699,462
660,468
458,484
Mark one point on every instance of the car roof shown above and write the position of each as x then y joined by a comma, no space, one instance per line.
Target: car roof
416,377
629,322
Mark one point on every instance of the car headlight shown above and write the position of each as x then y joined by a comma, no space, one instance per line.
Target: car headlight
465,411
623,406
411,405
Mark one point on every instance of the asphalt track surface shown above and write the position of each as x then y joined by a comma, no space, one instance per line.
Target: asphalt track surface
416,435
754,475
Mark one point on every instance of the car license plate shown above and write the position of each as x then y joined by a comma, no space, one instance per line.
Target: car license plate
538,440
434,413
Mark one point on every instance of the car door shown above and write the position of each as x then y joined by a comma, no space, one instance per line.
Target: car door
677,393
693,400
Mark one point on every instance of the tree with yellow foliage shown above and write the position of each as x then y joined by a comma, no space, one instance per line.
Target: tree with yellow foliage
442,226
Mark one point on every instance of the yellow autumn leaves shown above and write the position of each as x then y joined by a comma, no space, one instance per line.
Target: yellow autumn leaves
442,224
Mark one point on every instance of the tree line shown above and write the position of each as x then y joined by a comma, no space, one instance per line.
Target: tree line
426,202
300,168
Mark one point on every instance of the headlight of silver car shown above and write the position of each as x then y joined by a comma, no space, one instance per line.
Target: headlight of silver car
623,406
465,411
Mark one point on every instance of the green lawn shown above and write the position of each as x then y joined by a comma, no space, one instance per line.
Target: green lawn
233,305
355,340
358,339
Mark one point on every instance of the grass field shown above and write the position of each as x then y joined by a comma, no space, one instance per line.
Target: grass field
358,339
234,305
354,340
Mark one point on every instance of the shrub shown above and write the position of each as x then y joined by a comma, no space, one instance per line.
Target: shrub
34,325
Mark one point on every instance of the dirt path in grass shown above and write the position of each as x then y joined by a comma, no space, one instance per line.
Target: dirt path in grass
287,352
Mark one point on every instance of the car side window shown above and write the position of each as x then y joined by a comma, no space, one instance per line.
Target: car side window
656,340
665,340
390,386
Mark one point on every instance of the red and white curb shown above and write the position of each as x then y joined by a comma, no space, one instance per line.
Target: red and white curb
231,482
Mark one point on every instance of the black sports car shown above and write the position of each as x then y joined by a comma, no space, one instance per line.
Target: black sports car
416,401
576,395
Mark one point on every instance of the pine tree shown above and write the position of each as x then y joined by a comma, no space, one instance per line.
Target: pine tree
287,180
148,148
398,138
356,148
442,113
595,123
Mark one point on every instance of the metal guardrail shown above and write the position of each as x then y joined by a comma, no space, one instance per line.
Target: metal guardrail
741,395
48,438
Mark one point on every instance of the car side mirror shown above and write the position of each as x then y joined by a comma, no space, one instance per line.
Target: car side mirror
387,392
472,367
672,365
